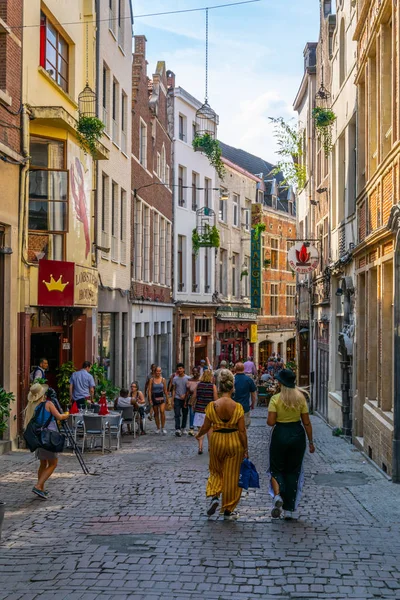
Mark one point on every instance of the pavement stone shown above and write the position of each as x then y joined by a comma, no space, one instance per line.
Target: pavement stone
138,530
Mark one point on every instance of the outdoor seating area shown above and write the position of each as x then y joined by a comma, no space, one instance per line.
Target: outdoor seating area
93,431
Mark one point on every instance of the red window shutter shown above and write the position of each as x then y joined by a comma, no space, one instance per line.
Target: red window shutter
43,40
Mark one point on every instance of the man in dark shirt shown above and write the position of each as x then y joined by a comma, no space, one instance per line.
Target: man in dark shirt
245,392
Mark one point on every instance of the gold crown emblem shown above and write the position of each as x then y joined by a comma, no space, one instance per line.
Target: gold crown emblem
55,286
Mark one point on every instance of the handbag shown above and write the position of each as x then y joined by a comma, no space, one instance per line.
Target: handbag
39,436
248,477
51,440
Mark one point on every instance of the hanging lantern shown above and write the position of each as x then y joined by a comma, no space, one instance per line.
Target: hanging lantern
87,102
206,121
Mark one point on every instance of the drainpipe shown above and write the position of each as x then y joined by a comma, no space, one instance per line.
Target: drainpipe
396,366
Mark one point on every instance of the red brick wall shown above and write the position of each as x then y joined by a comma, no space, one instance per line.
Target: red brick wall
155,117
10,73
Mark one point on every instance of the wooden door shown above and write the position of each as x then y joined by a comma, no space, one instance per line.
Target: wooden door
79,342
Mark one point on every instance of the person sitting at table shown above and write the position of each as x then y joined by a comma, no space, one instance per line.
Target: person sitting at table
265,377
124,400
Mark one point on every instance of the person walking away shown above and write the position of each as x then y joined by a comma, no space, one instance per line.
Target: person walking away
48,460
228,447
288,415
157,399
190,387
245,392
205,392
222,365
40,371
139,404
250,368
180,399
82,385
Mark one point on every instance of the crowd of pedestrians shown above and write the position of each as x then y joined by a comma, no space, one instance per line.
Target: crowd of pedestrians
218,404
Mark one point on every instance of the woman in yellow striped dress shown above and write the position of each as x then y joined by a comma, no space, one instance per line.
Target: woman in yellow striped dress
228,447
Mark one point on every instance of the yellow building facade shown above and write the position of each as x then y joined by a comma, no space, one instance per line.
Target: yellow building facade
58,280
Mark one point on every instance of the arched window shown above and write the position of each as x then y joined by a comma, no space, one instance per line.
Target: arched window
342,53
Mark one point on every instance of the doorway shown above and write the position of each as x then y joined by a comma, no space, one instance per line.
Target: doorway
46,345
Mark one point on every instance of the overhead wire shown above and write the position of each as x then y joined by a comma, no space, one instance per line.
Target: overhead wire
158,14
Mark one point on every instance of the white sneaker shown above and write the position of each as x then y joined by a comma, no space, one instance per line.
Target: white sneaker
164,432
185,432
287,515
158,431
213,506
178,433
277,507
231,516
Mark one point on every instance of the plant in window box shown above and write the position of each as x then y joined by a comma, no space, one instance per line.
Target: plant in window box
267,263
258,229
324,119
212,149
244,273
64,373
89,132
208,238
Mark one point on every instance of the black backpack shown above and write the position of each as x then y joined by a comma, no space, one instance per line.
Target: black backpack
38,436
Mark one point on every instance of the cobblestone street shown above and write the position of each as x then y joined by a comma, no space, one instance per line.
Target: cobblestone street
138,530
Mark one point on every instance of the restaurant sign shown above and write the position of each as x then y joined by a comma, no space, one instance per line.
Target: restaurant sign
236,314
255,278
63,283
86,286
303,258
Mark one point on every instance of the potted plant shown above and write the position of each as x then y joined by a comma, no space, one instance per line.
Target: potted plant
212,149
258,229
89,131
5,409
102,383
324,119
64,373
208,238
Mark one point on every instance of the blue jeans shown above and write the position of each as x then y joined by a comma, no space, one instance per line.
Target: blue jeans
191,417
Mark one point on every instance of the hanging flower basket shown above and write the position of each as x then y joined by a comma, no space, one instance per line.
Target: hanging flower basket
258,230
267,263
212,149
208,238
244,273
324,119
89,132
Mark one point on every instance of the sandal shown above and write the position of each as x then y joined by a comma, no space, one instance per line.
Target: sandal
200,451
39,493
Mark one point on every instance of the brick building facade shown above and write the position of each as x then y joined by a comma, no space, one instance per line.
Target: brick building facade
152,308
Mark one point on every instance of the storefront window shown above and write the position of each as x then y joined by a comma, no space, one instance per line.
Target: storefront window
106,337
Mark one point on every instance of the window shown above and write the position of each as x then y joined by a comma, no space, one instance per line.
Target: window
207,285
114,216
236,210
156,247
290,299
121,23
106,83
104,185
163,165
168,269
194,132
182,128
143,144
222,210
158,166
122,226
289,245
48,200
106,342
138,240
112,15
181,280
124,116
194,273
274,254
246,277
342,53
235,263
167,175
247,215
260,197
115,111
181,193
223,272
54,53
194,191
325,242
146,244
202,325
207,192
274,299
163,249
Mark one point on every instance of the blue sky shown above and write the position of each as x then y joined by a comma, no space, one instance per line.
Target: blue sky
255,59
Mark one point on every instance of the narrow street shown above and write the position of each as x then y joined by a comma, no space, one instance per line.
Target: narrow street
138,530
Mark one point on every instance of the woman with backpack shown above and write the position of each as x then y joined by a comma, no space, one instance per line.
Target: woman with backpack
44,411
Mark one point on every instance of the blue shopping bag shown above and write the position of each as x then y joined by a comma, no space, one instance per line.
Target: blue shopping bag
248,477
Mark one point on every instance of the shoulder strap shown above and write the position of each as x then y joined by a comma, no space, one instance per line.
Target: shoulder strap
45,426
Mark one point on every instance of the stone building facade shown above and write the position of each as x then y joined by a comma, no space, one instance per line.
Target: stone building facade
152,308
12,170
113,214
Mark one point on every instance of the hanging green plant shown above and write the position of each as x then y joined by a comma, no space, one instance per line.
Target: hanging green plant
244,273
324,119
64,373
291,145
209,238
212,149
258,230
267,263
89,132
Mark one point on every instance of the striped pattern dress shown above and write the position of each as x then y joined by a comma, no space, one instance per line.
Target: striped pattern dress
226,456
204,395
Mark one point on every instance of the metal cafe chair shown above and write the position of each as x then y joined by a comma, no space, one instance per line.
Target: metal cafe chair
113,429
93,428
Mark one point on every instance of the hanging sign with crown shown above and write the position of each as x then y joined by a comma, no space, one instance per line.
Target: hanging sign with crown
303,258
56,283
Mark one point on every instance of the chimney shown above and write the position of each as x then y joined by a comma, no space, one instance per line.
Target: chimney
170,79
140,45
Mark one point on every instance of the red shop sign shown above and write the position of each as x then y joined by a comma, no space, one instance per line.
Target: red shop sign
56,283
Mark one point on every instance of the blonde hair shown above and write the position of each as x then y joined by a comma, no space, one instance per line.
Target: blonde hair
30,410
293,397
226,381
207,376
